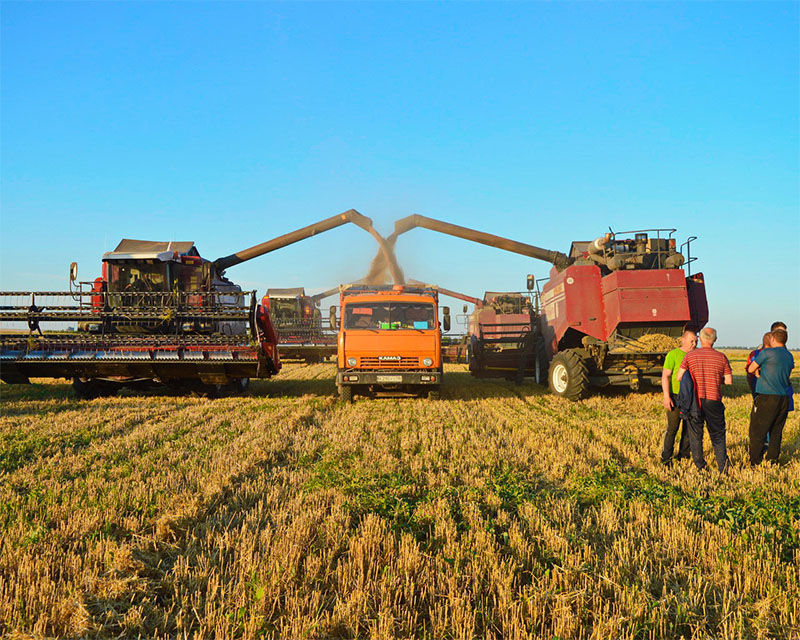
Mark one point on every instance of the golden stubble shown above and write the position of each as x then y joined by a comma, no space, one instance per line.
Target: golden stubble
286,514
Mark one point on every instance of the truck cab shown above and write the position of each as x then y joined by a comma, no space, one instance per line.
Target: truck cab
389,341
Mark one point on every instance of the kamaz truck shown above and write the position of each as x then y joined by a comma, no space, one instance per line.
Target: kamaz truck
389,341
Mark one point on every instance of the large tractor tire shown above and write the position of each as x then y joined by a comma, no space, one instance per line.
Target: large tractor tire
569,376
346,393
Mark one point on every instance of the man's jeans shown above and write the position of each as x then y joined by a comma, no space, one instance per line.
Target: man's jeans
673,423
713,416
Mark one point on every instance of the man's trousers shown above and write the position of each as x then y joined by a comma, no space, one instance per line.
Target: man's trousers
673,423
713,417
767,419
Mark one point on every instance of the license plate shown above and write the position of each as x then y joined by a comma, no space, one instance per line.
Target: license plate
390,378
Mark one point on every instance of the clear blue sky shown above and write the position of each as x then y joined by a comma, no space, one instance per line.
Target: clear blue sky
228,124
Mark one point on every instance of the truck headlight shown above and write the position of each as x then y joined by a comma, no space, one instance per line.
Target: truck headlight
428,362
351,362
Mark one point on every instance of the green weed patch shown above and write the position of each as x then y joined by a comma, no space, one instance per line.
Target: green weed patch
778,514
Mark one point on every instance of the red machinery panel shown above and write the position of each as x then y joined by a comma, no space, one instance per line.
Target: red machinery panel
642,296
698,304
572,300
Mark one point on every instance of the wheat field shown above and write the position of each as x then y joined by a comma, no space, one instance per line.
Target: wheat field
497,512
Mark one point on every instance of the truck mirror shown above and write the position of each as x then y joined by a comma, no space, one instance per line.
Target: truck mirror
465,308
73,272
446,311
446,318
531,282
332,318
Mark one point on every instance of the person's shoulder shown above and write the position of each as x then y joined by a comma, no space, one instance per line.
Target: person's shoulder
690,356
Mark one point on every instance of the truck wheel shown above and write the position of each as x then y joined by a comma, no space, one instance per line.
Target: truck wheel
434,394
568,376
346,393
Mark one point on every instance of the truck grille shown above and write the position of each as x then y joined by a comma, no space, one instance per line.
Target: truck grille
402,363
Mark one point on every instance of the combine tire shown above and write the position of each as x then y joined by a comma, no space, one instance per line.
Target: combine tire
346,393
91,389
568,376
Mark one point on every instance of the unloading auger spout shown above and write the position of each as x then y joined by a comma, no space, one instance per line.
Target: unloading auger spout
556,258
350,215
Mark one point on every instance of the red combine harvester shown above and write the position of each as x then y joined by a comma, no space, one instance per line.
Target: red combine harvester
600,307
159,313
303,334
503,338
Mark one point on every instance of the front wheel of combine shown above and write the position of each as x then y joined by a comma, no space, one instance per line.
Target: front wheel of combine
346,393
568,376
89,389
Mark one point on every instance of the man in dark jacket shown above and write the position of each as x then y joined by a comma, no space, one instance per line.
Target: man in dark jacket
709,369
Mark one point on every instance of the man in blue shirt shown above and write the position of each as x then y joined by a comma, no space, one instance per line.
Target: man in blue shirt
773,367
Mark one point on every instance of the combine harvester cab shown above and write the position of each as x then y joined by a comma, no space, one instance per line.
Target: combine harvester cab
609,312
160,313
389,341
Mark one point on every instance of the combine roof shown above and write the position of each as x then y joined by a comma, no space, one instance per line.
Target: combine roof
286,293
149,250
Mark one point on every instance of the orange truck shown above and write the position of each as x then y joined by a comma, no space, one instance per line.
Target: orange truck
390,342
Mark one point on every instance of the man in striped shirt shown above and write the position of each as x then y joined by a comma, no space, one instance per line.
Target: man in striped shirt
709,369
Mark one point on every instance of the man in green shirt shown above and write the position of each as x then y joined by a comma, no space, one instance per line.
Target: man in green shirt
670,386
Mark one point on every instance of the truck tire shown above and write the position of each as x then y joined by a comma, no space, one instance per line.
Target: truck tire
434,394
568,376
346,393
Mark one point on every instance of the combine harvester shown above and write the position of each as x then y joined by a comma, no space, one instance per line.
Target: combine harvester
303,333
503,336
159,313
608,313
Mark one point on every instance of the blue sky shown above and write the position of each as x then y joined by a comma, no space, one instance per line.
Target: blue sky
230,123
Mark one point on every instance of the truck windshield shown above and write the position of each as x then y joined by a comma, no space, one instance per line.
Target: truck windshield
389,315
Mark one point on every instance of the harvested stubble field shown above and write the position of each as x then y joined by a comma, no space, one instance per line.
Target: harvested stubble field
497,512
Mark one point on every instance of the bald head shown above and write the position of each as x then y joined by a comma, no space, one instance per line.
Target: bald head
708,336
